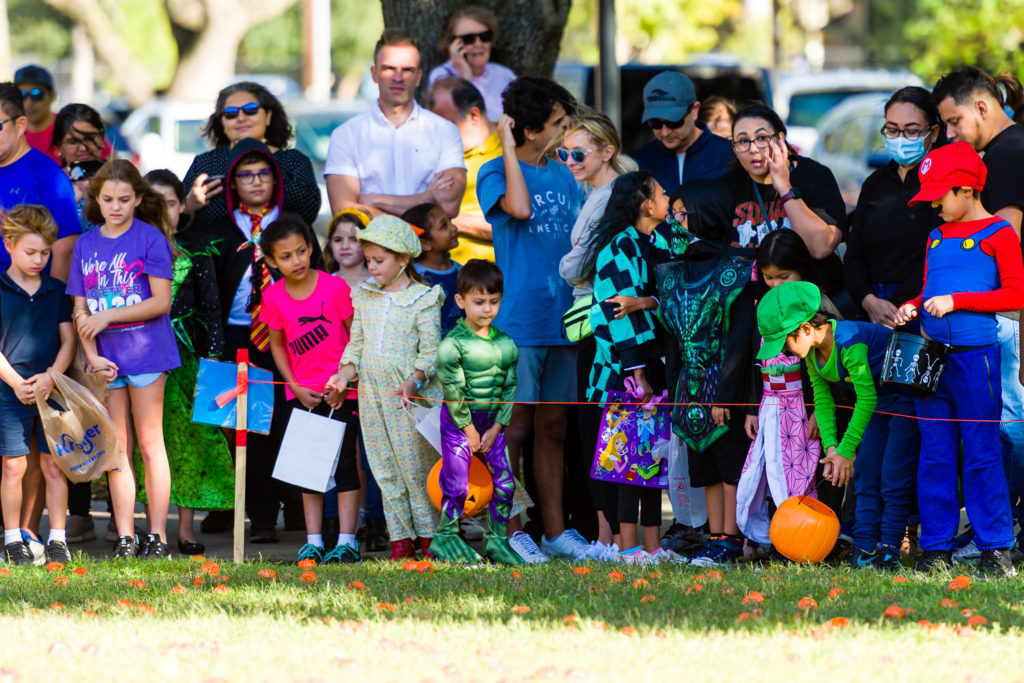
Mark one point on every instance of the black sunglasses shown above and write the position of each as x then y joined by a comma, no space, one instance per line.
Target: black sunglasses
658,124
470,38
35,94
248,109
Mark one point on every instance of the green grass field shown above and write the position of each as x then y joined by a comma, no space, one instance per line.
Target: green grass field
383,621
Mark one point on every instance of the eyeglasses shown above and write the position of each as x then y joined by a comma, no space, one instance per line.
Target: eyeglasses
5,121
470,38
250,177
247,109
577,155
35,94
658,124
680,216
759,141
911,133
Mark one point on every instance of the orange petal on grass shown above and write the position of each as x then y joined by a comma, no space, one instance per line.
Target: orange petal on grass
929,625
700,577
137,584
80,571
520,609
197,558
899,579
946,602
425,567
641,583
211,568
308,577
198,581
964,631
55,567
628,631
356,586
616,576
307,564
221,589
714,575
894,612
267,574
753,598
960,583
966,612
409,599
581,570
125,602
743,616
60,581
655,575
571,620
835,593
838,622
5,572
977,620
410,565
385,607
648,598
178,589
807,604
146,609
517,574
695,588
55,605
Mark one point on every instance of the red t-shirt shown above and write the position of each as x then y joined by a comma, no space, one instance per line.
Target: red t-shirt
43,141
314,328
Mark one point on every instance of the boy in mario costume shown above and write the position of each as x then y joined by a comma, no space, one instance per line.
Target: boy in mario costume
973,269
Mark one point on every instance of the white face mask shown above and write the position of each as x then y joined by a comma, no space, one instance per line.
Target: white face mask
905,151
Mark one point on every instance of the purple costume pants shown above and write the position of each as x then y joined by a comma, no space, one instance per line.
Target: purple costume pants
455,457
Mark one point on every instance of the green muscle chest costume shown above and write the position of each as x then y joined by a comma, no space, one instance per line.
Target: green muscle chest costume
477,374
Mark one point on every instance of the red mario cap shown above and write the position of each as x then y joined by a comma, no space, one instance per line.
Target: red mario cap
954,165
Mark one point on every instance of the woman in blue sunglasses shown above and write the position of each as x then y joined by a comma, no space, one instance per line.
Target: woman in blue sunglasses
248,110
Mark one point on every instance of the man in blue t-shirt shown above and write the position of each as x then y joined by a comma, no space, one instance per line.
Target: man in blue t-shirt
27,176
531,202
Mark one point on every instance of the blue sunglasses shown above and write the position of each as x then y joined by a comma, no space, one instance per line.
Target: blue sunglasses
248,109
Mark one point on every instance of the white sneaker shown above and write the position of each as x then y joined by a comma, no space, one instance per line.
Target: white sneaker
523,544
638,557
472,528
968,552
668,556
604,553
569,545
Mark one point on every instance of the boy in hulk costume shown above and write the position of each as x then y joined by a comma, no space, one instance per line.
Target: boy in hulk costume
476,363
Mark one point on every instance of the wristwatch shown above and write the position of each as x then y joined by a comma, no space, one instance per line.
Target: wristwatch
792,194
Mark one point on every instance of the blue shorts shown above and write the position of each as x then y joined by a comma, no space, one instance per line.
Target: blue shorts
138,381
547,374
18,423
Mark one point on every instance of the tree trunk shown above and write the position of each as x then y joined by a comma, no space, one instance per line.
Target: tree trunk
129,73
529,38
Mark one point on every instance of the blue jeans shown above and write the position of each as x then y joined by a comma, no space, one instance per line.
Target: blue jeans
1011,431
968,390
884,474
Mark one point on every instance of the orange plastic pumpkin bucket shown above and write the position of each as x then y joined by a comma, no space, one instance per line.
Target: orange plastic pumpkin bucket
804,529
481,487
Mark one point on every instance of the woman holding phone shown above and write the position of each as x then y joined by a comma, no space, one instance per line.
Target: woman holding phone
248,110
468,36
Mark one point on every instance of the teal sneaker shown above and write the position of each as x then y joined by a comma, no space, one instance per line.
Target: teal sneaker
887,558
311,552
860,559
342,554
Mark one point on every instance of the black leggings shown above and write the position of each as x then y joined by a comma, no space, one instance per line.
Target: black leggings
588,420
647,499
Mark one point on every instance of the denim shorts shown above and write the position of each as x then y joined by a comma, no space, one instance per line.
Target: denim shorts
138,381
546,374
18,423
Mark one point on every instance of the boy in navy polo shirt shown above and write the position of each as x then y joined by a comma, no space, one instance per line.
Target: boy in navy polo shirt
973,270
35,337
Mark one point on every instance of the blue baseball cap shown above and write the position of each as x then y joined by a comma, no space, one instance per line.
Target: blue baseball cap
668,96
34,74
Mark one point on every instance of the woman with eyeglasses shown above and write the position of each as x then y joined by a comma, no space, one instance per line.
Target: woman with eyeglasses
773,188
884,264
78,137
248,110
466,42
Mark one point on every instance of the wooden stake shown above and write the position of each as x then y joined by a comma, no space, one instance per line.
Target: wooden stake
238,549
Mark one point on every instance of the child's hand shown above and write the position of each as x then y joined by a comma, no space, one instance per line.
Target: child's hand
505,125
939,306
624,305
640,378
488,439
906,313
407,390
25,392
334,397
837,469
89,326
102,365
750,426
813,432
307,397
720,415
472,437
341,379
42,385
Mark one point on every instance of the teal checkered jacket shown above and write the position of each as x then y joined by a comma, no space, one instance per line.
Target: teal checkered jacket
623,343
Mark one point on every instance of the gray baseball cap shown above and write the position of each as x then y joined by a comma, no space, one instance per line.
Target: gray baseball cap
668,96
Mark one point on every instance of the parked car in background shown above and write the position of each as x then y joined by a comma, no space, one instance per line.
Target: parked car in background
802,100
167,133
711,74
850,142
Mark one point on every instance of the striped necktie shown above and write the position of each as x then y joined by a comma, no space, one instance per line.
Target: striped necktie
259,335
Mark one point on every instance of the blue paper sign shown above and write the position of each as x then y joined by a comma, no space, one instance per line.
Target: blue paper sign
216,377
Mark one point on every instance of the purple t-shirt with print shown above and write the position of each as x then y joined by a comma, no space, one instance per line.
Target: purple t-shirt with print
110,273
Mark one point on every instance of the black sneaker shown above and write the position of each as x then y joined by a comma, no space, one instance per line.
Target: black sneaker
887,559
57,551
376,535
996,562
682,539
935,561
717,551
18,554
155,548
861,559
125,548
